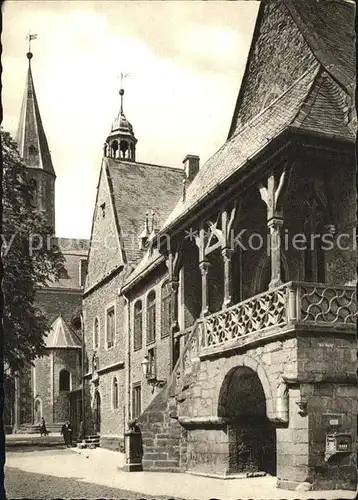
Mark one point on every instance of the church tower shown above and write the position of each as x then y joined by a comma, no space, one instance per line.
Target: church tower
121,142
34,150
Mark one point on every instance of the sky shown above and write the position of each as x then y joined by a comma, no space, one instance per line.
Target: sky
185,61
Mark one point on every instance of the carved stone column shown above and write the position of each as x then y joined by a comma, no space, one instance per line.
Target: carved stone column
274,226
227,256
174,284
204,269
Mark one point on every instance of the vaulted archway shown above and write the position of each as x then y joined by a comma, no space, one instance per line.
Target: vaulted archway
252,436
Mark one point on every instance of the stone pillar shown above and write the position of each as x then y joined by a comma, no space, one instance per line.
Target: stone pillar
133,445
227,255
174,284
204,269
274,226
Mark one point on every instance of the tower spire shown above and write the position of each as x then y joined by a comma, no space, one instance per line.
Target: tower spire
33,146
121,142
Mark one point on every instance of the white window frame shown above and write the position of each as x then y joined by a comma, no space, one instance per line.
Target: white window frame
110,305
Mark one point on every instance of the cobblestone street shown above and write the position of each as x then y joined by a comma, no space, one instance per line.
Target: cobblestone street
20,484
65,473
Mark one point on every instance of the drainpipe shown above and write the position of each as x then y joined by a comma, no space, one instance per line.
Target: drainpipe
127,398
83,358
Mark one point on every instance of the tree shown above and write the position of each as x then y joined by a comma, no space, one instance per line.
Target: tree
25,269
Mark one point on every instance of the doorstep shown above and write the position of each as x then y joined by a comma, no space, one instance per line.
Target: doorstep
242,475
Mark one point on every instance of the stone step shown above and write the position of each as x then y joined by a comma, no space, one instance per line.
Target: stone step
28,429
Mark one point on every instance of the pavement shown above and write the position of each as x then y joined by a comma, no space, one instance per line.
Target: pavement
100,467
22,441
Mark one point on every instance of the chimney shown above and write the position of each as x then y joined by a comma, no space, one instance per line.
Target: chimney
191,167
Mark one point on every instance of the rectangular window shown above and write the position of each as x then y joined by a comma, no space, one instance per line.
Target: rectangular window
83,271
110,328
138,325
151,317
136,400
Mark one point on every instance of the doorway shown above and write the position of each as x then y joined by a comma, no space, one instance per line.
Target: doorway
252,437
37,411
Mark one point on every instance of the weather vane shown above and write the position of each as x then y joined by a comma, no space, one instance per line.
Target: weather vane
123,76
121,91
30,37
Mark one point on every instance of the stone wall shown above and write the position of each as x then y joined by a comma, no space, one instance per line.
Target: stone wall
161,435
160,345
106,253
110,362
67,359
43,387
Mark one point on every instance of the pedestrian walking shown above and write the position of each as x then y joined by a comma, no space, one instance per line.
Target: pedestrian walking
43,430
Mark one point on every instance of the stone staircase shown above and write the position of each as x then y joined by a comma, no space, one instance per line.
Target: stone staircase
91,441
161,432
28,429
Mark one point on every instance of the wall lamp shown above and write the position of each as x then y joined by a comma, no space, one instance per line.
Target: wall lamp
152,380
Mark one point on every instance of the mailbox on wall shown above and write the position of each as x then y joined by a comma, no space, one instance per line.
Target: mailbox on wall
336,443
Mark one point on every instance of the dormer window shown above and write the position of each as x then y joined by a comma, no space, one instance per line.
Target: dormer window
103,210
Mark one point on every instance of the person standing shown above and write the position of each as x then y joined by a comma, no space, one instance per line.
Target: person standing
64,432
70,433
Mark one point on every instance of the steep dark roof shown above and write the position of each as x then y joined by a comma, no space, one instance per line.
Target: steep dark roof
138,188
328,27
31,133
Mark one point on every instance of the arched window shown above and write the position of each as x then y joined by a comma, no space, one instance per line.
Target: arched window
32,150
138,325
115,393
96,333
166,309
65,380
151,317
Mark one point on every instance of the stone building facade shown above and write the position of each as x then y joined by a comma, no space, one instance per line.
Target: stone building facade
35,392
246,284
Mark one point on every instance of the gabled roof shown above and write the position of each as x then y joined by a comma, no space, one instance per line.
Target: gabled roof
61,336
137,188
31,137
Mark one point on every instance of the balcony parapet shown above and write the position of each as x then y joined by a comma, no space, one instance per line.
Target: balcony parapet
289,307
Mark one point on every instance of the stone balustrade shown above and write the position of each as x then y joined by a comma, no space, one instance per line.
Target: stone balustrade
289,306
